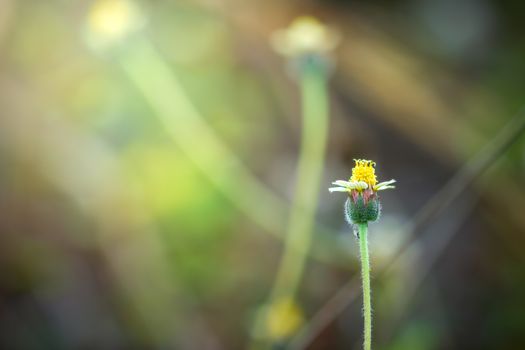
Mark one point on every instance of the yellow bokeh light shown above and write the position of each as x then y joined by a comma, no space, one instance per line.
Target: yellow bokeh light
112,20
283,318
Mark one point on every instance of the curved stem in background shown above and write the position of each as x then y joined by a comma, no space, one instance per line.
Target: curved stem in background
314,101
160,87
309,171
365,275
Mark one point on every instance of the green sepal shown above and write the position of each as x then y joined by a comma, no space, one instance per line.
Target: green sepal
373,209
357,212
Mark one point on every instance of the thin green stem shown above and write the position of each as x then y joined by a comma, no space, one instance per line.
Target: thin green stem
163,91
469,172
314,99
309,172
365,273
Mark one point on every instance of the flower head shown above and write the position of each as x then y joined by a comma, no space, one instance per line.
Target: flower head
306,35
363,178
363,202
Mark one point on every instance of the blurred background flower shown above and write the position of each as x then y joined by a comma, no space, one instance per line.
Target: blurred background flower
148,153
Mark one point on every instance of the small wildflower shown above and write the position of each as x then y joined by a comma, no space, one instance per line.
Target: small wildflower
363,203
361,207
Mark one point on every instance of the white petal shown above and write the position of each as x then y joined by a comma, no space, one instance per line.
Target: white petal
384,188
361,185
353,185
338,189
386,183
341,183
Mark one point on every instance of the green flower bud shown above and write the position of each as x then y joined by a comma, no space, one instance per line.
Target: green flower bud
360,211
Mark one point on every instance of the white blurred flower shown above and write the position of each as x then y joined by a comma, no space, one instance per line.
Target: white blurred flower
306,35
110,21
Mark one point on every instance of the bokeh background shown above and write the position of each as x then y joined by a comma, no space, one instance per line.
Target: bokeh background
145,179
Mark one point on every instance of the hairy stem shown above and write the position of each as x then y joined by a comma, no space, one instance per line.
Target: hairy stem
365,273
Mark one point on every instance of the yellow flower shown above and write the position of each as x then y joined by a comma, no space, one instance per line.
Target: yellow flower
364,171
306,35
362,204
363,177
283,318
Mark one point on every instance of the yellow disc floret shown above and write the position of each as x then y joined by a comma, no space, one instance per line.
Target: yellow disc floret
364,171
